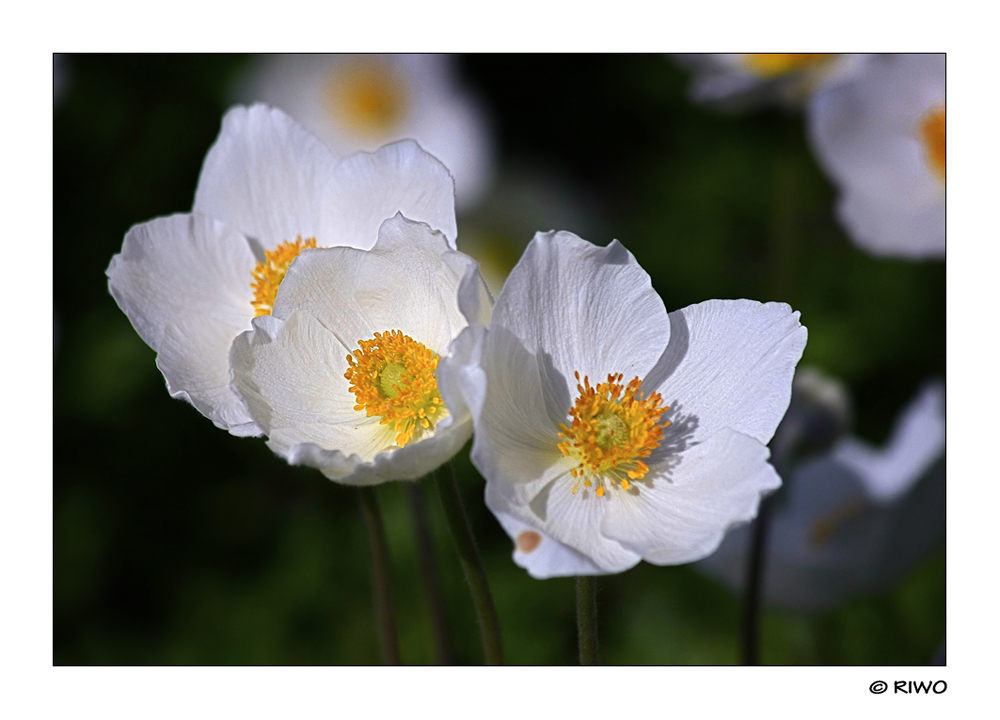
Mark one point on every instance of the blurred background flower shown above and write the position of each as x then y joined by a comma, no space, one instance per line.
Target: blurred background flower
189,545
881,138
361,102
744,81
853,520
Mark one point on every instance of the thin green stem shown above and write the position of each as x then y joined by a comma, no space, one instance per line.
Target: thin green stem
586,619
385,616
472,565
429,574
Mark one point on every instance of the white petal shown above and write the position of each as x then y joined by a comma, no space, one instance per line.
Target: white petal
679,512
291,375
407,463
729,365
517,432
409,281
184,283
541,555
270,178
918,439
402,178
583,308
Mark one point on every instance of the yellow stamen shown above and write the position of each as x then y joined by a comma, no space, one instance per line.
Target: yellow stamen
394,376
772,65
267,276
613,427
933,136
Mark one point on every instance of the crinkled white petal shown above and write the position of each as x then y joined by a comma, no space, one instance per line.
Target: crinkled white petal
541,555
516,418
184,282
729,364
917,441
582,308
291,367
574,520
409,281
866,135
269,177
682,509
446,119
401,177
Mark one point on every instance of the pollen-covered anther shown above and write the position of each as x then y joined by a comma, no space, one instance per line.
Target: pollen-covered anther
267,276
614,426
394,376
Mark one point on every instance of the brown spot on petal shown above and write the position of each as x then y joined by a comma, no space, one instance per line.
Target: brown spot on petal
528,541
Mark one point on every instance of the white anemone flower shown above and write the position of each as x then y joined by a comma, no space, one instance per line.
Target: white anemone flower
610,432
741,81
882,140
343,374
190,283
361,102
855,520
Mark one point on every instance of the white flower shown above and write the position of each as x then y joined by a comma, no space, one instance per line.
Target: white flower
882,139
342,375
609,432
744,81
854,520
361,102
190,283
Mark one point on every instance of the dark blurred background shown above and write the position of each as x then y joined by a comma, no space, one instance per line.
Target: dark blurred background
177,543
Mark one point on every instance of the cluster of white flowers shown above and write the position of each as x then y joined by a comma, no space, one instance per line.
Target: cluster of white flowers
322,302
876,124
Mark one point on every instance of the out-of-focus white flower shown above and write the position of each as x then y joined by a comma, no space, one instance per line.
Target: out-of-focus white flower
361,102
609,432
343,374
852,521
190,283
748,80
882,140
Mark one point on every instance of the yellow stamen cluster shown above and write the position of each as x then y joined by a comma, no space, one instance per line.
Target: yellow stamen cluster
393,375
932,133
772,65
267,276
613,428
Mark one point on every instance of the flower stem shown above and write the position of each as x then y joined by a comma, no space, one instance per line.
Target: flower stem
586,618
384,615
429,574
472,565
750,632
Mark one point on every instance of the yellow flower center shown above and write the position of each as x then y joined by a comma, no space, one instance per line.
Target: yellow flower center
613,428
932,135
772,65
267,276
393,375
367,96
